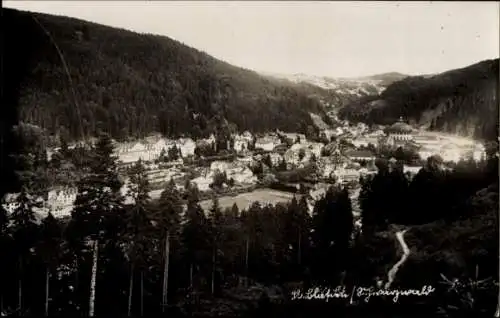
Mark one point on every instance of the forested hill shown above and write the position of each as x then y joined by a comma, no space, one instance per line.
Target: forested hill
131,84
462,101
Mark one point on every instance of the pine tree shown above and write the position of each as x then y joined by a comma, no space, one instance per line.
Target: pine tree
25,232
4,222
64,149
313,158
333,224
215,220
97,215
49,248
4,248
251,231
282,165
173,153
138,224
168,217
343,224
195,233
163,155
302,154
235,211
33,178
192,194
268,161
99,201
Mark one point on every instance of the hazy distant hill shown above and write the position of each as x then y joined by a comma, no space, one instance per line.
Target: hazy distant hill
462,101
338,92
132,84
385,79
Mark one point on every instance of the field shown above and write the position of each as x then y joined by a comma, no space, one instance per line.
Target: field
244,200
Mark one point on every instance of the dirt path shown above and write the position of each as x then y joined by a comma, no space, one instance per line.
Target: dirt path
406,252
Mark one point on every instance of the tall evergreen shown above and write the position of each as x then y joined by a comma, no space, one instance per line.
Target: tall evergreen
215,220
97,215
195,237
99,200
32,175
49,249
167,218
138,225
333,224
170,209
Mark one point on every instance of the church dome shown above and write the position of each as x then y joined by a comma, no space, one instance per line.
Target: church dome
399,127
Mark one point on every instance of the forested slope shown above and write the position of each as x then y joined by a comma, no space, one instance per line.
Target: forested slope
462,101
131,84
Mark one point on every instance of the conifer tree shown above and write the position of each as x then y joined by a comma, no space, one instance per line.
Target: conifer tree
168,218
215,220
4,250
49,249
138,224
99,200
195,234
97,215
333,224
32,175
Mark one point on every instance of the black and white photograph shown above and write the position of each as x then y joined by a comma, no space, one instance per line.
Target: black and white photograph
250,159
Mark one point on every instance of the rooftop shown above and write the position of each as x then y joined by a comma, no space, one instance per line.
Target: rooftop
359,153
399,127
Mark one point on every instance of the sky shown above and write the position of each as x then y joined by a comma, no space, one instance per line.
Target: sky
335,39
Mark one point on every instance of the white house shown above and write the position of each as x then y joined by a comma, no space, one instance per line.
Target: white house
59,202
240,143
130,153
242,175
377,133
203,182
339,131
364,141
267,143
245,160
209,140
329,133
138,147
275,158
160,145
219,165
292,155
327,170
247,136
294,136
411,169
315,148
360,155
347,175
187,146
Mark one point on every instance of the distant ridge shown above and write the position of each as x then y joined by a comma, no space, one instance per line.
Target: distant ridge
462,101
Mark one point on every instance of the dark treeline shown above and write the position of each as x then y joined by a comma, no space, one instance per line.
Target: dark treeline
208,254
130,85
211,257
448,211
465,101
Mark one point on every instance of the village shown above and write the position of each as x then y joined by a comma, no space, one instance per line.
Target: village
275,167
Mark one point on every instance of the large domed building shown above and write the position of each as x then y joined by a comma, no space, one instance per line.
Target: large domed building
399,132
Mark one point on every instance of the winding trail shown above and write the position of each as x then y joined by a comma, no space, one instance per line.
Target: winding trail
406,252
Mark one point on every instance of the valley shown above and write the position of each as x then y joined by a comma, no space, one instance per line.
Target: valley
138,170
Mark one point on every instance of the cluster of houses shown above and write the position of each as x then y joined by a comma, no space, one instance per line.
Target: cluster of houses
58,201
344,164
